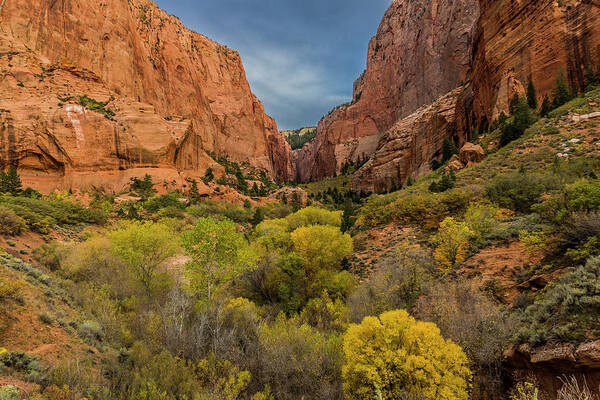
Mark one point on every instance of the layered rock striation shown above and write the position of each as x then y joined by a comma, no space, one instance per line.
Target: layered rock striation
422,50
408,147
520,40
174,94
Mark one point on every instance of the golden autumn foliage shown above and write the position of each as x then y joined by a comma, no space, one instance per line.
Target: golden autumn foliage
452,243
323,247
397,355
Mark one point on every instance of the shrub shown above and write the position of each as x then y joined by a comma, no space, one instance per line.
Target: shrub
481,219
41,214
464,314
20,362
9,393
299,362
397,284
313,216
582,196
447,182
10,222
11,289
91,331
567,310
426,209
221,209
46,318
525,391
517,191
169,200
397,355
95,105
573,390
49,255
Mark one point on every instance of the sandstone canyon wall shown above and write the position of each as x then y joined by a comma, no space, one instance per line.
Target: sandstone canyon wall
407,148
174,93
517,40
422,50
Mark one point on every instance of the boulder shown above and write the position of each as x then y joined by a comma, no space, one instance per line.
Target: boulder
471,154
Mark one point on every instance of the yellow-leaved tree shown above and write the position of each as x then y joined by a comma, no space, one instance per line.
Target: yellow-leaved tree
395,355
452,243
322,246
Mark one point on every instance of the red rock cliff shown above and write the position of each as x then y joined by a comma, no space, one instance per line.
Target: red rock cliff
175,94
422,50
518,39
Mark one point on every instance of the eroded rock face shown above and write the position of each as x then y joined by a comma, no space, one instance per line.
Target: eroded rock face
516,40
550,364
407,148
174,92
422,50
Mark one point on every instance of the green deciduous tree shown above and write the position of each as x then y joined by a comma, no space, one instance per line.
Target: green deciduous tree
399,356
143,247
219,254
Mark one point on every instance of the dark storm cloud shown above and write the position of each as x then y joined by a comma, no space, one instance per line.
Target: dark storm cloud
301,57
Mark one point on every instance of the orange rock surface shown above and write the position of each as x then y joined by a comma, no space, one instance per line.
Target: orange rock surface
422,50
518,40
174,93
407,148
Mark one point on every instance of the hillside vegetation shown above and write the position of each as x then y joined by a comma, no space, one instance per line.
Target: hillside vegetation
394,296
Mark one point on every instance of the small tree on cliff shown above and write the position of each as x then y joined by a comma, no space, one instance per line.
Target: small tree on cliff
194,193
546,106
347,217
531,96
10,182
448,149
561,91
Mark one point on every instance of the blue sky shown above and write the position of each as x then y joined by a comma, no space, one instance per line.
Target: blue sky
301,56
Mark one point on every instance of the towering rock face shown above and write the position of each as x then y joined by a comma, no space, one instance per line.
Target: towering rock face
422,50
519,40
409,145
174,93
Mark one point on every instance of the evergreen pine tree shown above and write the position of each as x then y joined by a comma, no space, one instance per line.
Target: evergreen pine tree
531,96
10,182
591,78
208,176
194,193
258,216
561,91
296,203
522,119
514,102
546,106
448,149
347,217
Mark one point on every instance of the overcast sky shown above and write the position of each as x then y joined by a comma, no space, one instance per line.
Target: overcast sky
301,56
